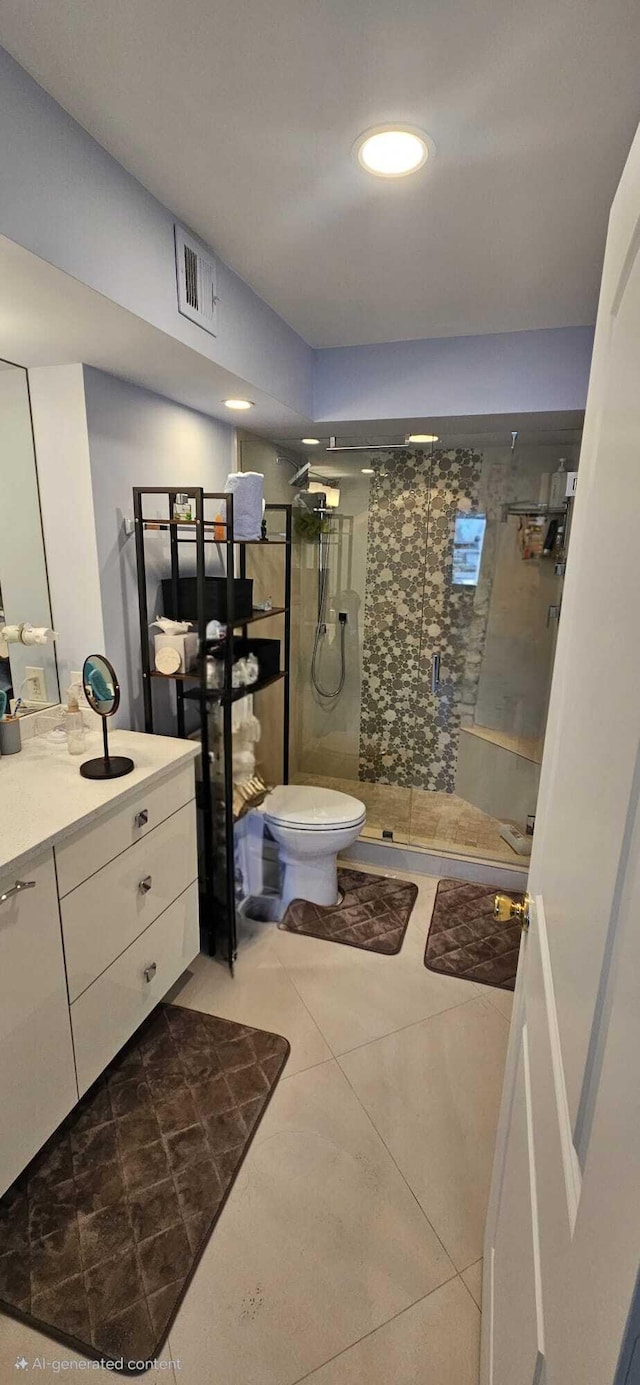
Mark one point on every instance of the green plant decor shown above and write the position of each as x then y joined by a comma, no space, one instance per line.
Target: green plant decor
309,525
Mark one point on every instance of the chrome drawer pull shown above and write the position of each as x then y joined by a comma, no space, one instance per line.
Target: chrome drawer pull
141,819
19,885
145,885
150,971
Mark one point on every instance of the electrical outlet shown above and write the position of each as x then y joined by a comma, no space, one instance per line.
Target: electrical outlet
37,687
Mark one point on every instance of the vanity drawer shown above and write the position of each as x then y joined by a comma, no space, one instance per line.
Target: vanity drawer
105,1016
101,917
92,848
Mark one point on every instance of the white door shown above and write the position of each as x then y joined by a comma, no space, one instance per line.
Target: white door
563,1233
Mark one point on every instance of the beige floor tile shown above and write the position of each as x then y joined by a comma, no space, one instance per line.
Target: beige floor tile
433,1092
503,1000
473,1280
45,1358
436,1342
356,996
320,1242
260,994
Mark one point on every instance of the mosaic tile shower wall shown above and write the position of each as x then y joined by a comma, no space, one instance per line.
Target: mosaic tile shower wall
409,735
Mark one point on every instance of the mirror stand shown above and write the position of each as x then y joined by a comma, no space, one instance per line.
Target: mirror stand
102,692
109,766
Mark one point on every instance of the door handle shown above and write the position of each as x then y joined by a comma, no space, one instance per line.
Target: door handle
505,908
145,884
435,672
19,886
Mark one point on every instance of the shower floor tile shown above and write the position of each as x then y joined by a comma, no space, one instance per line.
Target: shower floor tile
418,817
388,807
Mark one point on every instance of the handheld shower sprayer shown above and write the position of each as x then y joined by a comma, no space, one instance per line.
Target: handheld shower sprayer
328,694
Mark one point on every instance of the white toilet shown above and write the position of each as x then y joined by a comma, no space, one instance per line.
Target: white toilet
311,826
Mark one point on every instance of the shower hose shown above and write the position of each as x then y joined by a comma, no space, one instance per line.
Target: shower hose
329,694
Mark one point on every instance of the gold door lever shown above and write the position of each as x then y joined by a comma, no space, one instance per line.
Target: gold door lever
505,909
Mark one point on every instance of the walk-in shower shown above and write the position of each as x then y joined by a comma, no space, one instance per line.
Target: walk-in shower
447,560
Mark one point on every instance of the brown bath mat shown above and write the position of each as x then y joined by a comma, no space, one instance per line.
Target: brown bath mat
100,1235
465,940
373,914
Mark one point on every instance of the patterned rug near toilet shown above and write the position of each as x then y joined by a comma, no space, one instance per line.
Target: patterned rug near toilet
101,1233
373,913
464,939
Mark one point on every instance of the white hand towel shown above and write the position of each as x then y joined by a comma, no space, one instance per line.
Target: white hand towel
246,487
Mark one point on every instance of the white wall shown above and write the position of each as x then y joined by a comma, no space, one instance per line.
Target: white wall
68,519
136,439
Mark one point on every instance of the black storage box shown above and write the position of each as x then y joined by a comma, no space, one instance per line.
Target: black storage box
215,598
267,653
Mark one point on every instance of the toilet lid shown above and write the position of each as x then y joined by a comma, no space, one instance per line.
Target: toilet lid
302,805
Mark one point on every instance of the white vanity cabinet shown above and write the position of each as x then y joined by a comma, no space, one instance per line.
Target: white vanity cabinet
99,919
130,927
37,1073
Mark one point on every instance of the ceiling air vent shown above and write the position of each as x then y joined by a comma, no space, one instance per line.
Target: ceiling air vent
196,277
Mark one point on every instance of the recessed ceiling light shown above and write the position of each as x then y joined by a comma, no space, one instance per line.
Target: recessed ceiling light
393,151
310,442
368,471
422,437
238,403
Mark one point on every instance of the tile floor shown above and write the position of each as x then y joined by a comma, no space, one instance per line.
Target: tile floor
349,1252
417,817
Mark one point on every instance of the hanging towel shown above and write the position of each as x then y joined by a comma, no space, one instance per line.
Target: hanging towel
246,487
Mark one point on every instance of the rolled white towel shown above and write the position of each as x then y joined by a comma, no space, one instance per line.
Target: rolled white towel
246,487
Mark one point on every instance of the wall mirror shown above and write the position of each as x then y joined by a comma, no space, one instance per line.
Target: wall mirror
24,589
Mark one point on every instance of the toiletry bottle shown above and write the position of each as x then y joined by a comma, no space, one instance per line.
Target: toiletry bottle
74,724
219,529
557,495
182,508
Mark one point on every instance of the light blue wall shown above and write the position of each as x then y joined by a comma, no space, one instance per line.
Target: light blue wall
511,372
135,439
68,201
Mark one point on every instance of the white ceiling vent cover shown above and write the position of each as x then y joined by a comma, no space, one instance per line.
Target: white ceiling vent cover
196,276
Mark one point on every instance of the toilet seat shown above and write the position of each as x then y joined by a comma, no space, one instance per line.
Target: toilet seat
306,808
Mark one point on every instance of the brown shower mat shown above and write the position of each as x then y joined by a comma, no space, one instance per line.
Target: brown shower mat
465,940
373,913
100,1235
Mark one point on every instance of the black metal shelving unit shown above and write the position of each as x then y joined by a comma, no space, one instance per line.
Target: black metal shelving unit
215,796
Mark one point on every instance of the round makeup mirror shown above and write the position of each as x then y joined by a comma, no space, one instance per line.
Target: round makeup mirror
102,691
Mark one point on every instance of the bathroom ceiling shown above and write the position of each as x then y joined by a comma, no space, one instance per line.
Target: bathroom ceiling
241,117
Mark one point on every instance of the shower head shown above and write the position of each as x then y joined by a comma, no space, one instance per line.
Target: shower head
301,477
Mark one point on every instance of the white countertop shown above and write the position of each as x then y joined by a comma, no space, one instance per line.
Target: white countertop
44,799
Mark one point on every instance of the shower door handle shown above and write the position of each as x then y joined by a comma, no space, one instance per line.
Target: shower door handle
435,672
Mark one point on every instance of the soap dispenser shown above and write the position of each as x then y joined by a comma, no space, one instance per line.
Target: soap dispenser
74,723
